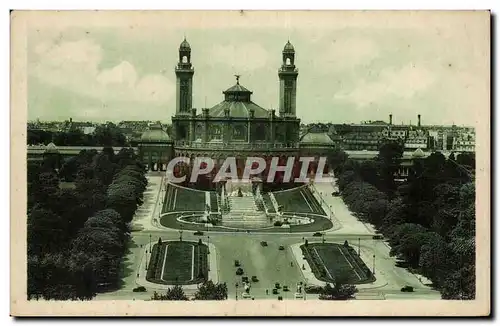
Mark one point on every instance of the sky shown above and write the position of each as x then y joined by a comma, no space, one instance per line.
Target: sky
353,66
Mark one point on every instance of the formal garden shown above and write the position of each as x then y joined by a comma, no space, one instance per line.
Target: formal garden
178,263
329,261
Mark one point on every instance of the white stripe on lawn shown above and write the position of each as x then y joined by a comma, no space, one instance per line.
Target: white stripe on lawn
326,269
175,199
349,263
306,201
192,264
164,260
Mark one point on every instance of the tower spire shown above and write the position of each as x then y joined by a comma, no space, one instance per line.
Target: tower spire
237,79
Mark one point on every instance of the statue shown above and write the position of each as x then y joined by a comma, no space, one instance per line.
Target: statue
240,193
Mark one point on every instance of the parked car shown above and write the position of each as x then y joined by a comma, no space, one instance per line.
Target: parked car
239,271
198,233
237,263
244,279
139,289
335,193
407,288
277,285
275,291
263,243
299,295
255,279
377,237
317,234
281,248
285,288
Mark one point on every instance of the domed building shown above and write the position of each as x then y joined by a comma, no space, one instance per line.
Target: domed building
235,127
155,148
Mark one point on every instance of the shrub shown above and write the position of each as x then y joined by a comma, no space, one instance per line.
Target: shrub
306,243
199,242
346,244
278,223
139,289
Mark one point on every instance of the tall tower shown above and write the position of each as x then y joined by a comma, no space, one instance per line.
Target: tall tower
288,82
184,72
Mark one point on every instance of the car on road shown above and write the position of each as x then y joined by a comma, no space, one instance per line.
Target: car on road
378,237
281,248
237,263
239,271
285,288
335,193
246,295
299,295
407,288
317,234
255,279
263,243
244,279
277,285
198,233
275,291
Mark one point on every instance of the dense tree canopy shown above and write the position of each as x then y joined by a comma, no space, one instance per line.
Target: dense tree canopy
76,239
429,219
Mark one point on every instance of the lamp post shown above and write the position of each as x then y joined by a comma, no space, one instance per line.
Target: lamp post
149,242
146,259
373,264
359,246
180,235
236,291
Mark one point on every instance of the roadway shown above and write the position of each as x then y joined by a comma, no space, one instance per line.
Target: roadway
269,264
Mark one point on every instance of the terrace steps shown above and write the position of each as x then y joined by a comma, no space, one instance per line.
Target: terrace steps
244,214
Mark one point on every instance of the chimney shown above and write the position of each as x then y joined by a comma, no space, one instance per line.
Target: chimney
390,119
418,120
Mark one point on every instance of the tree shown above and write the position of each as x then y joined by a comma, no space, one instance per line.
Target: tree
175,293
341,290
210,291
46,231
104,168
390,154
377,211
109,135
336,159
45,189
437,260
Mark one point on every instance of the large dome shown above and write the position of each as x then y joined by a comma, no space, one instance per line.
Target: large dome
237,99
155,135
316,138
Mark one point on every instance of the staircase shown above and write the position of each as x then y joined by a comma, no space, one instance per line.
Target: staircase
244,214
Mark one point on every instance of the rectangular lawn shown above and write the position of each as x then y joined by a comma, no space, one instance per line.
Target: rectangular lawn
178,264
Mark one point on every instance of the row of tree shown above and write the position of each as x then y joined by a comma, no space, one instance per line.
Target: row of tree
429,219
77,236
104,135
207,291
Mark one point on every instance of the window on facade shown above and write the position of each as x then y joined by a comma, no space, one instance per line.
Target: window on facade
288,61
239,132
184,59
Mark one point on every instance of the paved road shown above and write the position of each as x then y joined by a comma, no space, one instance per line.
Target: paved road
269,264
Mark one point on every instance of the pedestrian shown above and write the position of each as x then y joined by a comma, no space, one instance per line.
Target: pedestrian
267,292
